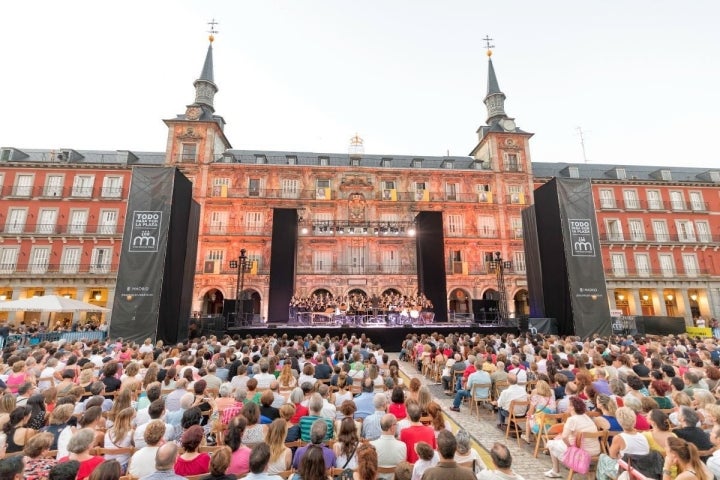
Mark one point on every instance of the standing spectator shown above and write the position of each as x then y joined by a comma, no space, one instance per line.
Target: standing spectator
416,432
446,467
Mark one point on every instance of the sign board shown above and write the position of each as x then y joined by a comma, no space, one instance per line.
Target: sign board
616,312
703,332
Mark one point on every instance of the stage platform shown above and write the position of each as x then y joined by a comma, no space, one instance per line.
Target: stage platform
390,337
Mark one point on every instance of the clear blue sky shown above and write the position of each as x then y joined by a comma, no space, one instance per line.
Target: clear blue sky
641,78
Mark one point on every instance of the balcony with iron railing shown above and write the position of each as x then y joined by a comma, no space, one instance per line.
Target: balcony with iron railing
36,229
57,269
703,238
633,273
323,194
59,192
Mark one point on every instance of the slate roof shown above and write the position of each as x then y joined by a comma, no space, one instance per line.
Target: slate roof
608,171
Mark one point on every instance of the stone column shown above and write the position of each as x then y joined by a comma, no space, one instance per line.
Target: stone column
635,303
659,303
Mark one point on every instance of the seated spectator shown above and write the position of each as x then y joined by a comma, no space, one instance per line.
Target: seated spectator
502,465
446,467
684,456
165,461
108,470
371,425
11,468
318,433
280,455
629,442
397,405
120,435
416,432
143,460
578,423
37,464
659,390
79,447
364,401
689,431
266,409
240,454
15,429
296,398
345,447
58,423
367,463
465,453
259,459
427,457
219,464
315,405
254,431
192,462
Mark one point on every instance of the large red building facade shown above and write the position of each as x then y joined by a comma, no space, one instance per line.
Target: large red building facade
62,213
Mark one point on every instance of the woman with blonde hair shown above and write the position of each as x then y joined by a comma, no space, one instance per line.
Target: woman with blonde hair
122,401
120,435
37,464
280,455
701,400
286,379
374,374
342,394
7,405
424,398
542,401
685,456
86,379
628,442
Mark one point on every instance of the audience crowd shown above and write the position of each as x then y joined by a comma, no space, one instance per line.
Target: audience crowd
319,407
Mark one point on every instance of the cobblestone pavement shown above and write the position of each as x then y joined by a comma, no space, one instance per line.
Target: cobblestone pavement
486,432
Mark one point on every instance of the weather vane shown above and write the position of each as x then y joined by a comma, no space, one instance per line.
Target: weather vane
212,30
488,45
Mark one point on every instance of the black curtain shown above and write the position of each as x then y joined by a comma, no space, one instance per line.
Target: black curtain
430,251
282,263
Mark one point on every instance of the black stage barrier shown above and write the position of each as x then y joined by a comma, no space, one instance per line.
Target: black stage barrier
547,326
389,338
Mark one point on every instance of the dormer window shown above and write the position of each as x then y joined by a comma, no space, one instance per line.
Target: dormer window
323,161
385,162
260,159
573,172
715,176
666,175
417,163
355,162
620,173
448,163
291,160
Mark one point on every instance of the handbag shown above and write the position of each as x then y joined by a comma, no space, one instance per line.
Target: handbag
577,459
347,473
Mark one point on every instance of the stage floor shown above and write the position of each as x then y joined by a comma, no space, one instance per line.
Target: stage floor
389,337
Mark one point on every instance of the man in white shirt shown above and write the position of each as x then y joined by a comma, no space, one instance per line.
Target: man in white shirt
502,463
518,370
513,392
48,372
156,411
212,380
390,451
328,410
142,461
713,463
264,378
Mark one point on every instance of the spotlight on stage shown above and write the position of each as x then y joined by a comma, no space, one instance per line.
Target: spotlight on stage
411,232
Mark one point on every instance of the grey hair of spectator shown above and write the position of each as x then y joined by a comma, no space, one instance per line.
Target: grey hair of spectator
256,369
323,390
52,362
225,390
315,404
617,387
297,395
463,441
240,395
500,366
187,400
633,403
689,416
318,430
380,401
81,440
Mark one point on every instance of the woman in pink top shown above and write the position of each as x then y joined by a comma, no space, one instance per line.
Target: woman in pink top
17,377
240,460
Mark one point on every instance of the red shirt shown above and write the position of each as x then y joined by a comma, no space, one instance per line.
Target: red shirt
86,467
398,409
196,466
641,423
300,411
417,433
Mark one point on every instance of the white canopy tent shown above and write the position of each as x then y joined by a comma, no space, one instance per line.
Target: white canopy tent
49,303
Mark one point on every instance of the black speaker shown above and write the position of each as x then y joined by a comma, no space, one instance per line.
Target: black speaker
485,310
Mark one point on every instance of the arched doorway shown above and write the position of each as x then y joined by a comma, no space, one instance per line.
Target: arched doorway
213,302
522,305
459,301
320,300
491,294
254,297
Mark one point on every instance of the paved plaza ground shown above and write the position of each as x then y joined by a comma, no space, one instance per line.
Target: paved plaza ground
485,431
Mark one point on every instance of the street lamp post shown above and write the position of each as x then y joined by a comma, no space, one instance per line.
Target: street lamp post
240,264
500,265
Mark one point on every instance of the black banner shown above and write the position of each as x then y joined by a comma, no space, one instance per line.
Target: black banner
586,277
142,259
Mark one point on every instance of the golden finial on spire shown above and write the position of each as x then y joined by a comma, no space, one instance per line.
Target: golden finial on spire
488,45
212,30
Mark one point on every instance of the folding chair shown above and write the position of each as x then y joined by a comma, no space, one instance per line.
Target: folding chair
514,420
476,399
548,429
601,437
499,387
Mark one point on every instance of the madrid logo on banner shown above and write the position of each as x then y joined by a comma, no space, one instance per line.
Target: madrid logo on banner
581,238
145,232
